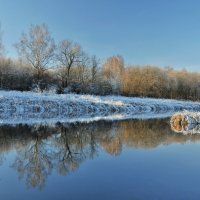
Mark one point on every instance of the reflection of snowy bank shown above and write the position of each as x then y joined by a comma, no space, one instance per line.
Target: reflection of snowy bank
30,108
186,122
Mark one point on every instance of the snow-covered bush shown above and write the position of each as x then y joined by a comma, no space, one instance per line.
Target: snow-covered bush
50,89
67,90
36,88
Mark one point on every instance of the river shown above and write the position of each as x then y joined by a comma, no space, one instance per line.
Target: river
127,159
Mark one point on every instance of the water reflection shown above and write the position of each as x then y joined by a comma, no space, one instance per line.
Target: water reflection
186,129
63,147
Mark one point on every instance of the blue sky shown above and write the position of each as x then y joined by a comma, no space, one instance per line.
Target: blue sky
159,32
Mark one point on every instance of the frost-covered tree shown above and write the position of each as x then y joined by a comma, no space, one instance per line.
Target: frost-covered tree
37,47
84,74
94,68
113,69
68,55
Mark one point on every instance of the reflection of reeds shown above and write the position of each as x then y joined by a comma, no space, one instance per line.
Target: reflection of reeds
185,122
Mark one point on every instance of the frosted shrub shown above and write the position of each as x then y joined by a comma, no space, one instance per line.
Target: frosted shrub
51,89
36,88
67,90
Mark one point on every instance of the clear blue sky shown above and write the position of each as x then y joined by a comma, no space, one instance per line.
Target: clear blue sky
160,32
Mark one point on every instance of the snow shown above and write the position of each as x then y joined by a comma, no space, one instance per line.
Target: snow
32,108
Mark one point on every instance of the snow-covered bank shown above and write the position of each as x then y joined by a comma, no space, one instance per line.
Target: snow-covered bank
30,108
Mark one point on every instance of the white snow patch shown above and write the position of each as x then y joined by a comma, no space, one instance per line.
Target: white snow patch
32,108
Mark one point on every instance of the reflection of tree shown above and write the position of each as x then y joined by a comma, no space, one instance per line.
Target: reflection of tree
92,145
140,134
74,145
68,157
2,158
35,160
63,147
111,141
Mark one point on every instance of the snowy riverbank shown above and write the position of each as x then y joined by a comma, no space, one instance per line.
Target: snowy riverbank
30,108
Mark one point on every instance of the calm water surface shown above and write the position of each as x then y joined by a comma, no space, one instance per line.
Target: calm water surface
100,160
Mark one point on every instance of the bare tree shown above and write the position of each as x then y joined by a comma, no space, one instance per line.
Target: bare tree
68,54
95,64
83,68
37,47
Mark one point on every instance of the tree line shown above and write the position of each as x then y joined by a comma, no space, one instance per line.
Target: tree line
65,67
